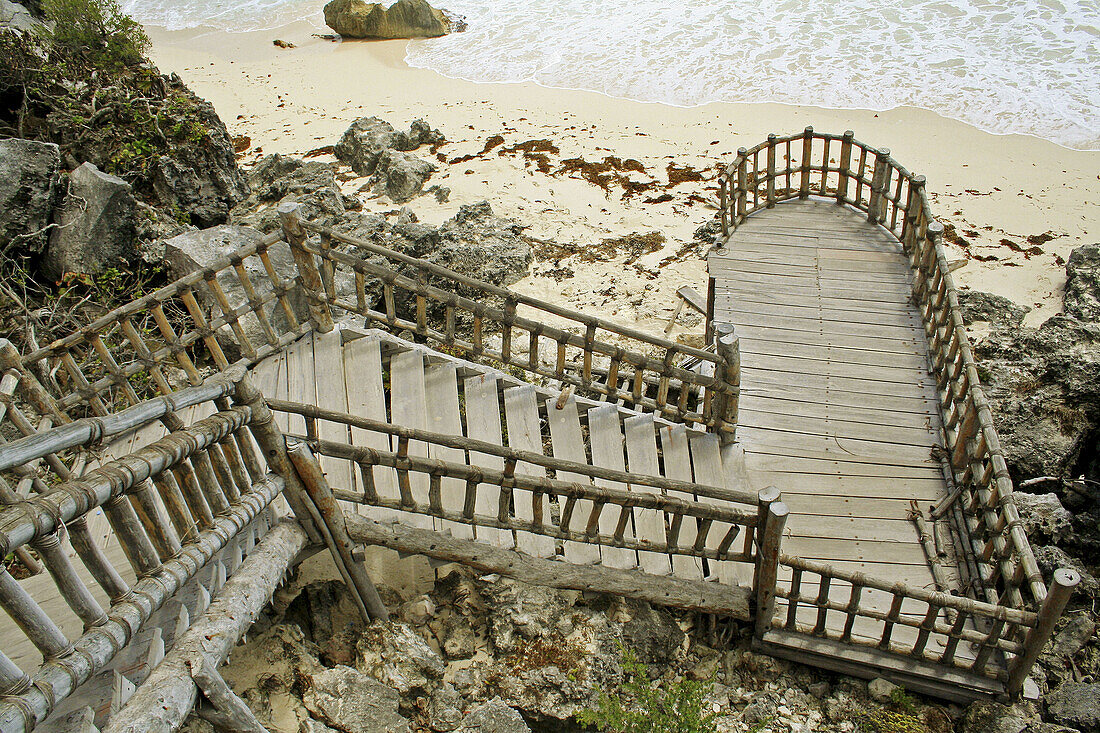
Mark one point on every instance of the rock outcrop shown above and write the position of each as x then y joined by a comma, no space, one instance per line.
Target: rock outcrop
350,701
401,176
200,177
15,17
279,178
29,174
1082,295
94,225
372,147
404,19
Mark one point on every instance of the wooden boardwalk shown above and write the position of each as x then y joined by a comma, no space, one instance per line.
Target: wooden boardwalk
838,409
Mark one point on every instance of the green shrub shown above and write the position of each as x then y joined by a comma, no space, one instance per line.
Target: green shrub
97,29
639,707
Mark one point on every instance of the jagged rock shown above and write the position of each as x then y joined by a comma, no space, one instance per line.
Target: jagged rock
199,249
95,225
1049,728
315,726
29,174
477,244
368,137
1051,557
493,717
880,690
1044,518
200,177
459,639
991,717
401,176
279,178
418,611
978,306
395,655
1082,294
1070,640
442,193
15,17
1076,704
404,19
444,709
350,701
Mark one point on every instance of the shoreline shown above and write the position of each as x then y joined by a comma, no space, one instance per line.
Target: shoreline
992,188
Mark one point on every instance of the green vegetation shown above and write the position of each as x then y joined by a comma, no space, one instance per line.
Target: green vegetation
97,30
901,715
640,707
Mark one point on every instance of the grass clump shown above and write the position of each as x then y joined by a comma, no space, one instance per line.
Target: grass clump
637,706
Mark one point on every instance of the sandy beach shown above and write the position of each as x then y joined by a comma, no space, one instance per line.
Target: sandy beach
996,191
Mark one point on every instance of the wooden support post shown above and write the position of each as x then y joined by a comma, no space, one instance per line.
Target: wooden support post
332,524
742,185
910,224
308,276
807,154
1061,588
845,167
723,201
771,170
726,406
878,184
230,713
770,535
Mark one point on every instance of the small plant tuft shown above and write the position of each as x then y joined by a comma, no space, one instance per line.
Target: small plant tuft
640,707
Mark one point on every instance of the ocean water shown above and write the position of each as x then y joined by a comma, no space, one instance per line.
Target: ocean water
1010,66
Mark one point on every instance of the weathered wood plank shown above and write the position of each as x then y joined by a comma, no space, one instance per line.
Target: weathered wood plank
367,397
567,442
525,433
332,394
677,465
441,388
606,440
408,406
482,399
649,524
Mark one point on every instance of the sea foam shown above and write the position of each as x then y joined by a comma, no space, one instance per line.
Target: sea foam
1027,66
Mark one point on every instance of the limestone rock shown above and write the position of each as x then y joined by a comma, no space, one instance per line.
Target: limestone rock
1082,295
1076,704
315,726
363,143
459,639
29,173
353,702
991,717
279,178
396,656
404,19
880,690
493,717
978,306
401,176
1051,557
15,17
444,709
200,177
1043,516
95,225
199,249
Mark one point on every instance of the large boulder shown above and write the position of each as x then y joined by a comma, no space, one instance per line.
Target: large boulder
493,716
363,143
15,17
199,249
350,701
1076,704
1082,296
95,225
475,243
29,173
401,176
200,177
404,19
396,656
279,178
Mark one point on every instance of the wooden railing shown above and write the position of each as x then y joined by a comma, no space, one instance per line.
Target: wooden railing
1003,571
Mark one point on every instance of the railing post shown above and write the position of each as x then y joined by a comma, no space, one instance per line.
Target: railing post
308,276
878,182
771,170
742,185
807,153
845,166
1062,585
723,200
912,214
728,347
771,519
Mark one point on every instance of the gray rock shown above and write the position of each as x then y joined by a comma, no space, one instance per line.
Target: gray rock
493,717
200,177
1051,557
363,143
401,176
1076,704
1049,728
95,225
1082,294
396,656
480,245
1072,638
353,702
14,17
880,690
991,717
315,726
199,249
1043,516
404,19
279,178
29,174
459,639
444,709
979,306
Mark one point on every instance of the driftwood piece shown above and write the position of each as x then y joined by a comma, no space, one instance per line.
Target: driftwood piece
229,713
162,703
690,595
